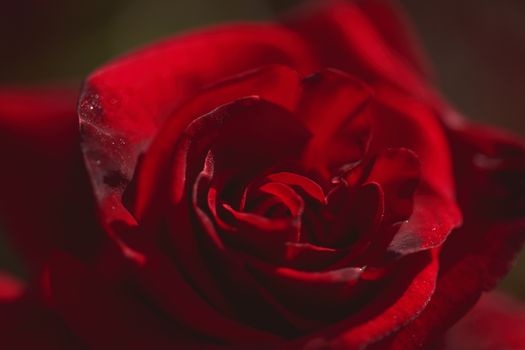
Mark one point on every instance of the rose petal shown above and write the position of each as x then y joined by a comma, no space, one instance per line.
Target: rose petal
491,195
319,295
496,322
42,173
403,122
399,302
253,304
356,46
302,183
233,133
390,21
287,195
161,279
397,170
276,84
355,214
105,315
332,106
47,331
218,134
23,313
309,257
259,235
124,104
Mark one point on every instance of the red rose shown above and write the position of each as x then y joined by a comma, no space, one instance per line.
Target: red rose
293,185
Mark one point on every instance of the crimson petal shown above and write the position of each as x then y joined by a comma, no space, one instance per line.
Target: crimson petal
42,173
389,19
403,122
357,46
124,104
105,315
22,313
401,300
276,84
343,137
491,195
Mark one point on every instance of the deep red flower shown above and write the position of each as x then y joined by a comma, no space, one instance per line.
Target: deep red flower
291,185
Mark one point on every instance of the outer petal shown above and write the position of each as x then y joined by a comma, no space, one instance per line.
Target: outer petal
403,121
407,296
397,32
108,313
490,168
496,322
42,174
125,102
26,324
357,45
331,106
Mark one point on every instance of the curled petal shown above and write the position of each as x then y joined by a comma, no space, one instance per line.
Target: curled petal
403,122
402,299
276,84
233,133
124,104
342,137
491,196
303,183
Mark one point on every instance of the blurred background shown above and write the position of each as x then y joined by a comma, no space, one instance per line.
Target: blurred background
477,48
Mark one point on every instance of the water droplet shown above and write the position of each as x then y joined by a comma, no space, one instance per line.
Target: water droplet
90,108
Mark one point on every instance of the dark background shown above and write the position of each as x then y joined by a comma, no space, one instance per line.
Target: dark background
477,48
